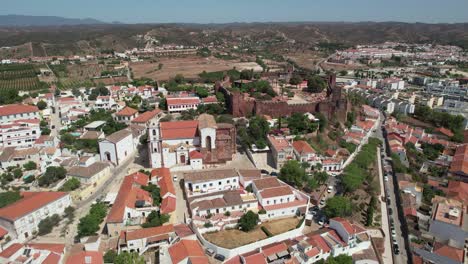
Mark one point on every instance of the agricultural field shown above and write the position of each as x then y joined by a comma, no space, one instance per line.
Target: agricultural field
21,77
189,67
76,75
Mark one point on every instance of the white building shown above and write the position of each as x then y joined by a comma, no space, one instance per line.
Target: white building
117,147
90,174
22,218
209,181
391,84
105,102
222,202
20,133
180,104
126,115
14,112
140,240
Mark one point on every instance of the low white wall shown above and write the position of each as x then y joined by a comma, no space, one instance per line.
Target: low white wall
229,253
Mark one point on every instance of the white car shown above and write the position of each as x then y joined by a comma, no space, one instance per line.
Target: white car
322,202
386,178
321,222
174,178
330,189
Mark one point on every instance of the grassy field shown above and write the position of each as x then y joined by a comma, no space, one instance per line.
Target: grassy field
235,238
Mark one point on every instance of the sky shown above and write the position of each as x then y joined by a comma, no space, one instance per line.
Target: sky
226,11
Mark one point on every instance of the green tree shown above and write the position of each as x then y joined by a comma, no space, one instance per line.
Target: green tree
338,206
248,221
9,197
129,258
292,172
155,219
76,92
70,185
110,256
46,225
295,80
163,104
246,74
155,193
41,105
30,165
316,84
179,78
90,224
201,92
51,175
321,177
340,259
299,124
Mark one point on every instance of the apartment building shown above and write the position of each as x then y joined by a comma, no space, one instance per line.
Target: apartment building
20,133
13,112
210,181
281,150
105,102
222,202
180,104
126,115
22,217
33,253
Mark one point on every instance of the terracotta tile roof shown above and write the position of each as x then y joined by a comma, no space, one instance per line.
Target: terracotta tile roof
13,109
346,225
276,192
274,249
91,134
56,248
458,190
445,131
127,111
146,116
182,230
449,252
30,202
52,259
459,163
318,241
255,259
88,257
12,249
279,143
195,155
302,147
119,135
168,205
250,173
126,196
210,99
206,175
164,181
184,249
3,232
183,101
179,129
267,182
148,232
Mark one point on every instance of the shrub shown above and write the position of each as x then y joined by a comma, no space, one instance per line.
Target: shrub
47,224
262,211
70,185
248,221
227,213
266,231
208,225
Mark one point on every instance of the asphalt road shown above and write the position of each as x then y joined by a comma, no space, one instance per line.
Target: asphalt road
391,191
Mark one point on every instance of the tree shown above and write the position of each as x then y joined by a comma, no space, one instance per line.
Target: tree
69,212
338,206
30,165
9,197
45,131
110,256
90,223
316,84
248,221
163,104
51,175
321,177
129,258
246,74
299,124
343,72
76,92
292,172
201,92
155,193
41,105
46,225
70,185
340,259
179,78
295,80
155,218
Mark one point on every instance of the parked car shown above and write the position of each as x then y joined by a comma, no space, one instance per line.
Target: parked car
390,211
396,249
264,172
274,174
210,252
385,178
219,257
174,178
330,189
322,202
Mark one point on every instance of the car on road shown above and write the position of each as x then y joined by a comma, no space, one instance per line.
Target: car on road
330,189
390,211
274,174
396,249
393,232
322,202
264,172
388,201
219,257
174,178
210,252
385,178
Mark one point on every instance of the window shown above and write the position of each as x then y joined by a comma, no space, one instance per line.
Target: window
204,185
234,180
219,183
211,184
228,181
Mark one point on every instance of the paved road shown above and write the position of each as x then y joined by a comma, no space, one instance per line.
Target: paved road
392,191
387,256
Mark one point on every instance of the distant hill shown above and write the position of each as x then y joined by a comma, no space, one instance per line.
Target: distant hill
22,21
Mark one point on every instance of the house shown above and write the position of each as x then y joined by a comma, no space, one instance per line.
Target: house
90,174
347,231
47,141
459,165
167,191
231,201
126,115
209,181
180,104
117,147
20,133
187,251
11,156
332,165
304,152
131,206
14,112
370,113
105,102
140,240
457,190
66,104
281,150
441,253
148,118
33,253
86,257
22,217
279,199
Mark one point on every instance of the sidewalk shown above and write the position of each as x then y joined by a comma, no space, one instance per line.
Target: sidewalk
387,255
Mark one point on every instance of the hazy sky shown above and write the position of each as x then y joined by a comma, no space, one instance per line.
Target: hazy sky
221,11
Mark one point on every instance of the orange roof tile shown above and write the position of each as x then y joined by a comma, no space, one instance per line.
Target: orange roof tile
449,252
30,202
168,205
255,259
276,191
127,111
13,109
88,257
182,101
146,116
346,225
195,155
148,232
460,160
179,129
302,147
12,249
164,180
184,249
3,232
56,248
